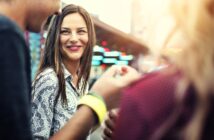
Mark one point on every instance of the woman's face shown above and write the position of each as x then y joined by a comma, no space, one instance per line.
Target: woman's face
73,37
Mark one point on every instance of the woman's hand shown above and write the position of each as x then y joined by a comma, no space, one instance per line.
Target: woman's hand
109,124
112,82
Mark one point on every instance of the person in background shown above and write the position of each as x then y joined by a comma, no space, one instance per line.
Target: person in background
15,71
62,78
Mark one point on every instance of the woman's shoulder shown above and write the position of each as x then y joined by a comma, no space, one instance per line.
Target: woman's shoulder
153,87
151,96
47,74
48,71
158,79
46,81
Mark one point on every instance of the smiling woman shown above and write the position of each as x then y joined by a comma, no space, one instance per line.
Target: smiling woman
64,70
73,37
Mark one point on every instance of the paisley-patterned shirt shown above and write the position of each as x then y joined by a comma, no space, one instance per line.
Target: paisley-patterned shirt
47,116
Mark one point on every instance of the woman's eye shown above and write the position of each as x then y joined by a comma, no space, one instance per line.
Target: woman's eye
64,32
82,31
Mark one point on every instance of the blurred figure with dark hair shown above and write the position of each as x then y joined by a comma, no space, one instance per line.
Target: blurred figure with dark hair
17,16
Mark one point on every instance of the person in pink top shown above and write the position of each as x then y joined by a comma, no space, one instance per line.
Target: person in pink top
177,102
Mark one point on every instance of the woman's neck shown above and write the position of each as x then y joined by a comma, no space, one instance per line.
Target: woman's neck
72,67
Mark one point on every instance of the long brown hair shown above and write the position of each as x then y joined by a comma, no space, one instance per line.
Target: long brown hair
52,56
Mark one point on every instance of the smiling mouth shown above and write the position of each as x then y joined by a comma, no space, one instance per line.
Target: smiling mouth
73,47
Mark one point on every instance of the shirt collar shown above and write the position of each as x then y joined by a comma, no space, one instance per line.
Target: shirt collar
67,74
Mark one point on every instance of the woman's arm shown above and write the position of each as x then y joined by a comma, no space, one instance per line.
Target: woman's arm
79,126
44,93
109,87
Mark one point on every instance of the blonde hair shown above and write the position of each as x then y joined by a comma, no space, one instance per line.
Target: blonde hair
195,19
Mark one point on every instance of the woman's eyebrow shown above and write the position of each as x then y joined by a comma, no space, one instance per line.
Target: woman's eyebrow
82,28
65,28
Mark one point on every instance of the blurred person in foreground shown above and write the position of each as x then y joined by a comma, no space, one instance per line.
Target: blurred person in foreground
177,102
17,16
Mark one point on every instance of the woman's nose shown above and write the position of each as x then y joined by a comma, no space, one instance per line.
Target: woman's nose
73,37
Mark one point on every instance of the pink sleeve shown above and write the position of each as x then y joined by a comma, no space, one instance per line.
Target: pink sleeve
145,105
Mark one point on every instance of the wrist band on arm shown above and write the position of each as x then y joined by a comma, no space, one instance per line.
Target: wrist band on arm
96,95
96,103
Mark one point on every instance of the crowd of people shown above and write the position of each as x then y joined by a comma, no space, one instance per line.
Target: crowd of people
175,102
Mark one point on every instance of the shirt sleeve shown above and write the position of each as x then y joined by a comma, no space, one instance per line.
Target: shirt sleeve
14,89
44,93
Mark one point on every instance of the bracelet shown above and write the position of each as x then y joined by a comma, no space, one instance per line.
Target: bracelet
96,95
96,104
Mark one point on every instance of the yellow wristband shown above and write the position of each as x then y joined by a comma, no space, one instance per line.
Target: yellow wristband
96,104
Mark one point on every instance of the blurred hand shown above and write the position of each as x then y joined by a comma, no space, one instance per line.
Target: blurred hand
112,82
109,124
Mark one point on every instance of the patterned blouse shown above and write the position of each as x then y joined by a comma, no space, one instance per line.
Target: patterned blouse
48,117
